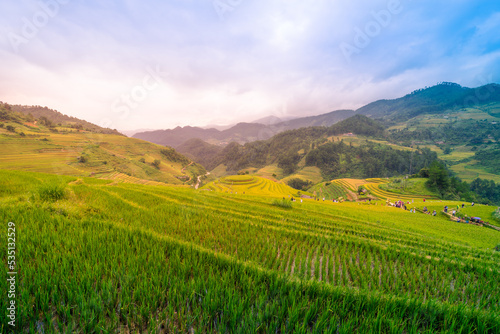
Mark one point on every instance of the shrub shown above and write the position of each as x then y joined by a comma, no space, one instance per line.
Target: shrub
496,214
10,128
282,203
156,163
497,248
362,190
424,172
52,192
142,160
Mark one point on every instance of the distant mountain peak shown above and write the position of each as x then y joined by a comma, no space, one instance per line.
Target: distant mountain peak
269,120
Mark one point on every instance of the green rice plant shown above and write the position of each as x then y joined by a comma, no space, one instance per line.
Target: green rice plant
52,192
282,203
144,257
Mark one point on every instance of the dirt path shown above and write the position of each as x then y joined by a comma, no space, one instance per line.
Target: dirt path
351,195
199,180
184,168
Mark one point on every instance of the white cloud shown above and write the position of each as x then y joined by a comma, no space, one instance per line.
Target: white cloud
261,58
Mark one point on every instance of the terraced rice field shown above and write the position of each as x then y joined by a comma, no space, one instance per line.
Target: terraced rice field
270,170
58,153
468,171
329,192
108,257
251,185
120,177
372,185
350,184
312,174
383,194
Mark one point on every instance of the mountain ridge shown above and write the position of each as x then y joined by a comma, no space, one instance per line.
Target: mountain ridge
440,98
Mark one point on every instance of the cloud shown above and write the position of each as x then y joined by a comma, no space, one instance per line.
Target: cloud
248,60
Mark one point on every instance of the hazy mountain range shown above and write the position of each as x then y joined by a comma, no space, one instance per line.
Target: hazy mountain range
442,98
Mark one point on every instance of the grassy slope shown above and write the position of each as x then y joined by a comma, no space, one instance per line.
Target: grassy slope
312,174
109,256
469,171
108,156
413,186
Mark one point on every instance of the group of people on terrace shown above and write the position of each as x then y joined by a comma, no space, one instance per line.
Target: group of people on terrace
454,214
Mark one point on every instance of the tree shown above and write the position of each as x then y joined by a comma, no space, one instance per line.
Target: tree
424,172
156,163
288,162
438,178
45,121
299,184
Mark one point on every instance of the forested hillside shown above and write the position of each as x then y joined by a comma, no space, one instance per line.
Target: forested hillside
461,132
337,160
318,148
434,100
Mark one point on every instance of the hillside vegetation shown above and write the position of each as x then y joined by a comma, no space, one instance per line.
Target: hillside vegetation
319,147
42,146
463,138
438,99
52,118
97,256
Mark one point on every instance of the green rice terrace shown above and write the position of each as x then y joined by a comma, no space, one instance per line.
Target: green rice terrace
251,185
99,256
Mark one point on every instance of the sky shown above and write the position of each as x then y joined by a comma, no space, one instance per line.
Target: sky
155,64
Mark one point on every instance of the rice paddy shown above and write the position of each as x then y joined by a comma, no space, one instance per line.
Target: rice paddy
252,185
103,256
